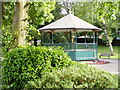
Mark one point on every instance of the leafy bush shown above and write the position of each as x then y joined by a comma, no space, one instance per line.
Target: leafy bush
6,39
119,81
24,64
79,76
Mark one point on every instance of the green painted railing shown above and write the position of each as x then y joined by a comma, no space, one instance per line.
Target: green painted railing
69,46
78,51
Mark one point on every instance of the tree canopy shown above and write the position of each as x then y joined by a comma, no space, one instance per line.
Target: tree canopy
37,14
105,15
42,13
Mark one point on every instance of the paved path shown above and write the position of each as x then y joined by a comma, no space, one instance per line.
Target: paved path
112,67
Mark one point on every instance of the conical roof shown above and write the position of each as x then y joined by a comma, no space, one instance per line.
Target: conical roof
69,23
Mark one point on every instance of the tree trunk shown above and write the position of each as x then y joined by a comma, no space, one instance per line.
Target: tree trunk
108,40
1,7
35,41
19,23
0,24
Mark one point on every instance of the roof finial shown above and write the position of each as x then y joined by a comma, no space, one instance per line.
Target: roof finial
70,11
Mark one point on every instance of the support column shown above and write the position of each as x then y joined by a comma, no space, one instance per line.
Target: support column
66,36
52,31
74,39
75,35
96,39
52,37
70,37
67,45
85,36
93,37
42,38
49,36
72,34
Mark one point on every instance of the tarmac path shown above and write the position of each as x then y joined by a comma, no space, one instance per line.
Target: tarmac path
112,67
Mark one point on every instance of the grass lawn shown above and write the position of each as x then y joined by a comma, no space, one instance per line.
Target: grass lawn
105,49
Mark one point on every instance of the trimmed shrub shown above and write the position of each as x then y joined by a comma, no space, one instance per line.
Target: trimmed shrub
119,81
79,76
24,64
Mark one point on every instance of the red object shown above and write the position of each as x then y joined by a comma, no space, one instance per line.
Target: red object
99,62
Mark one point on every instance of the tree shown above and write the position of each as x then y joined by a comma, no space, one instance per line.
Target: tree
102,14
39,13
33,13
106,12
0,14
7,16
19,23
84,10
0,25
57,11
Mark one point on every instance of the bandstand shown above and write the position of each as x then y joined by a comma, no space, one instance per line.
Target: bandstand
73,25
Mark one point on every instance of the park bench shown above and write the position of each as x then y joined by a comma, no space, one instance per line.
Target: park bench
105,55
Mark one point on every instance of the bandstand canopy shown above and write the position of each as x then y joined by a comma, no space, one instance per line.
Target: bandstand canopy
69,23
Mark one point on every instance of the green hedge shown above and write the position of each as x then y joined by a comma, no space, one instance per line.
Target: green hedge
24,64
119,81
80,76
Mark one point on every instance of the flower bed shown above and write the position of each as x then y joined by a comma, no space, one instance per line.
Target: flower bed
99,62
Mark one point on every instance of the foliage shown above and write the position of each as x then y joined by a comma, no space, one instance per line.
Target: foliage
119,81
61,38
84,10
106,11
7,11
32,33
95,13
57,38
25,64
6,40
79,76
57,11
106,14
104,48
39,13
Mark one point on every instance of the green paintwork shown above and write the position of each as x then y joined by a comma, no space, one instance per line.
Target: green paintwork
82,55
78,51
